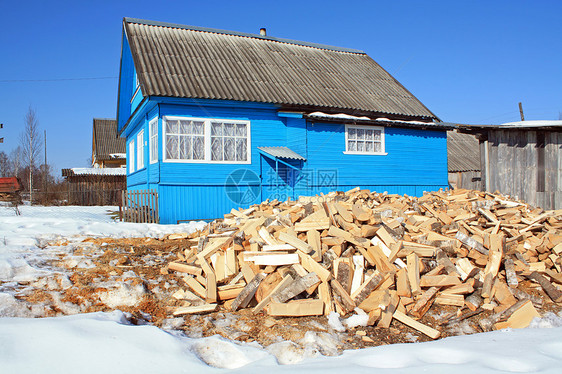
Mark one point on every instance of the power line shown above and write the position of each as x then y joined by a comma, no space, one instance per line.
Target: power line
54,80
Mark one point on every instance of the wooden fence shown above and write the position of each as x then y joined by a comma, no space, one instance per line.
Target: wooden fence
140,206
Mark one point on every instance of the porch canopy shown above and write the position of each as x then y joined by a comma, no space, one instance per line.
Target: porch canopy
277,154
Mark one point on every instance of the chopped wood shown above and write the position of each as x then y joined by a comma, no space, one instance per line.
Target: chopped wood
554,293
450,299
370,284
296,308
402,284
246,295
414,273
206,308
196,286
296,242
388,312
520,318
341,295
424,329
510,274
424,302
296,287
183,268
471,242
378,252
439,281
267,299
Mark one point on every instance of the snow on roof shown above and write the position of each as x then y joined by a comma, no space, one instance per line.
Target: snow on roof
99,171
118,155
382,120
540,123
339,115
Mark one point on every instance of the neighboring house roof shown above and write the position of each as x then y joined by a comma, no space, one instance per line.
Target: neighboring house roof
520,125
463,152
185,61
106,142
94,171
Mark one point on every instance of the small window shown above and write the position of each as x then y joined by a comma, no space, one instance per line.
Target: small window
140,150
131,156
153,125
364,140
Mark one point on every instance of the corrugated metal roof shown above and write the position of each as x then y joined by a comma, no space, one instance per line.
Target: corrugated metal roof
282,152
106,141
463,152
538,124
185,61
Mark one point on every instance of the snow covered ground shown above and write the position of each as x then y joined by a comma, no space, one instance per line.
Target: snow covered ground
108,343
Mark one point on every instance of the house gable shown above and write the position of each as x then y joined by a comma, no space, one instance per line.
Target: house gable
130,92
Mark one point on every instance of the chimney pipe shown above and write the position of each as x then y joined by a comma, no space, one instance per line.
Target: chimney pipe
263,32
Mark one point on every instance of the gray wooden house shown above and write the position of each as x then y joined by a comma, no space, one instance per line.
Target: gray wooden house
522,159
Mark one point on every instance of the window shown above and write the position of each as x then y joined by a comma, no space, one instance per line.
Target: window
206,140
131,156
153,141
228,141
140,150
364,140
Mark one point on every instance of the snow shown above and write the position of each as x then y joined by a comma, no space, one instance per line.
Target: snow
99,171
106,342
335,323
339,116
109,343
24,239
539,123
360,318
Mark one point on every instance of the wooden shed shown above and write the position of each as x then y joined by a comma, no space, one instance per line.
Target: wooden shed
463,161
522,159
95,186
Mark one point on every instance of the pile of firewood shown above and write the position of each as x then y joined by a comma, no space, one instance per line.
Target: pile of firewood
389,256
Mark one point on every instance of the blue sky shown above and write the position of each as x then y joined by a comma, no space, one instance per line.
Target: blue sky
468,62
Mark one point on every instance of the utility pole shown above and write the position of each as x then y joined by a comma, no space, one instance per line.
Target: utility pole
45,166
1,139
521,111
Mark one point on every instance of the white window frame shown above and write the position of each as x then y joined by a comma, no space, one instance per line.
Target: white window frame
378,128
140,150
207,140
132,156
137,87
153,140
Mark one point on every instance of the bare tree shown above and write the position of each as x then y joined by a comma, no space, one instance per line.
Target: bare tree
31,145
4,164
16,161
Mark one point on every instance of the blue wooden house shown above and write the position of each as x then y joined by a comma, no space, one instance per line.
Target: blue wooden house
216,119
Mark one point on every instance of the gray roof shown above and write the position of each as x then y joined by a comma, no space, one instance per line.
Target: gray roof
463,152
282,152
105,139
538,124
192,62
